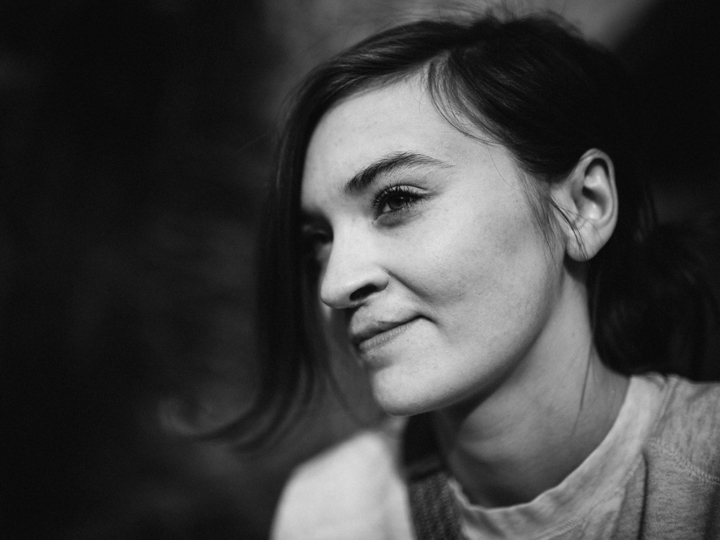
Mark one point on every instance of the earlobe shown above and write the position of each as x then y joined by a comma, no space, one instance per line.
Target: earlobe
590,205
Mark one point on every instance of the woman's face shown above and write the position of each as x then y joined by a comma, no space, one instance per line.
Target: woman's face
432,267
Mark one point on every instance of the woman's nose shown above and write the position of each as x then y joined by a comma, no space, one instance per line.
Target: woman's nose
351,275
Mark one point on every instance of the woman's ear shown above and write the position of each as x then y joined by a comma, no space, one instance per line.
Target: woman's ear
589,203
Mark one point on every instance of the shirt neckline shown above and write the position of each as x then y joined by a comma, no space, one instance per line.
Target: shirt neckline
602,472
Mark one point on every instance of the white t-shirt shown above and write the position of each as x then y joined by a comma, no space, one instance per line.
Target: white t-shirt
656,474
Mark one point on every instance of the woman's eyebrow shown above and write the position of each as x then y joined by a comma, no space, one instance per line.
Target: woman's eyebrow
390,163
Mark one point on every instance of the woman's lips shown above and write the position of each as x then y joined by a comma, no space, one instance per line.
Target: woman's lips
376,334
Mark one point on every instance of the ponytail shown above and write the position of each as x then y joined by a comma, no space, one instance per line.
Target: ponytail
653,303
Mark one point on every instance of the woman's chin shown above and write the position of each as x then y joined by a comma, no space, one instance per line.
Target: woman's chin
406,402
403,393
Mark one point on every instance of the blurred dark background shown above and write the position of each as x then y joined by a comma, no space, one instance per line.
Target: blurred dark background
135,137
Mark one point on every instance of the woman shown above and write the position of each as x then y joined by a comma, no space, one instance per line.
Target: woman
458,207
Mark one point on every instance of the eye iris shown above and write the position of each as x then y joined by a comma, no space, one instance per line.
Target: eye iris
397,201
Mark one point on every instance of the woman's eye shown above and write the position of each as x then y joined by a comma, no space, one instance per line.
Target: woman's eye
315,240
395,199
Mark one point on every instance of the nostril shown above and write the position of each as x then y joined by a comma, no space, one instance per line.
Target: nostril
362,292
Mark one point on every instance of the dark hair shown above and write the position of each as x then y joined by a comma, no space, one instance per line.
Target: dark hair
535,86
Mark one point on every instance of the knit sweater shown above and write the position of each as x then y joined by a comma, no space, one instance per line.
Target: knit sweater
655,476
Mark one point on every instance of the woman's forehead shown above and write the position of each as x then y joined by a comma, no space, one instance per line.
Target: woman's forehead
394,107
394,131
397,118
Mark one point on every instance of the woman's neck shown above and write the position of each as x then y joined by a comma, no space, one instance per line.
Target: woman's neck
529,434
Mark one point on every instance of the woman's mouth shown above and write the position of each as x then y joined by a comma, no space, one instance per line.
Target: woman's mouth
376,334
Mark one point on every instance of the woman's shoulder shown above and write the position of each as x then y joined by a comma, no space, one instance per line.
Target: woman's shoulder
352,490
350,460
676,486
688,429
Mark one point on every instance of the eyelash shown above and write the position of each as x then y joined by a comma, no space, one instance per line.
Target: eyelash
316,237
382,197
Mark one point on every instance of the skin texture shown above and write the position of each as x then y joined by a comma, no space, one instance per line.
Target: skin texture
436,275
